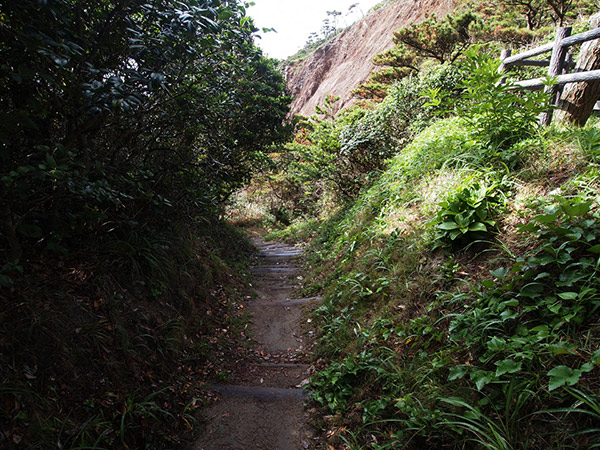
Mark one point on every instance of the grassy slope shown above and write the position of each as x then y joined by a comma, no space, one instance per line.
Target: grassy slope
487,341
414,335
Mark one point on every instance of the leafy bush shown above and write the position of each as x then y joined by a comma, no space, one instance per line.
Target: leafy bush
466,215
153,122
335,385
337,156
528,324
499,115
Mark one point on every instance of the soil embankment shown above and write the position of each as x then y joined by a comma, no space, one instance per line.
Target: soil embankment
342,64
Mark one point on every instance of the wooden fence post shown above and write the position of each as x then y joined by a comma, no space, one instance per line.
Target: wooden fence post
568,63
557,62
505,54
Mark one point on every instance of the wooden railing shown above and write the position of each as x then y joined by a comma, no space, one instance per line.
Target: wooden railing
559,63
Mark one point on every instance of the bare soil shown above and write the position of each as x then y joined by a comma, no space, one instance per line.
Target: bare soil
262,406
338,67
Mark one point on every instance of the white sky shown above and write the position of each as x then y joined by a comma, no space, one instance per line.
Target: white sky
294,20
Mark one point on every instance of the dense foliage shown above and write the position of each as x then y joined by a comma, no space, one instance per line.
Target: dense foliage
117,115
124,125
337,157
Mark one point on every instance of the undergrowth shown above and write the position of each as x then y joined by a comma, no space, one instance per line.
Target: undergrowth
461,287
110,347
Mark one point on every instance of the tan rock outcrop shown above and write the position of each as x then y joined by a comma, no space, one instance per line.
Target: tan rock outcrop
342,64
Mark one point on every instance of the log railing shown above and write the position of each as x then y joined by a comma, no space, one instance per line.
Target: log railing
558,65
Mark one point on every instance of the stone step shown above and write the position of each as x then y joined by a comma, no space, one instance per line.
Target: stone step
274,289
258,392
280,253
277,375
287,302
268,269
282,365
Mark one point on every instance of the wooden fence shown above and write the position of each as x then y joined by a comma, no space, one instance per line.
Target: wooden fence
559,63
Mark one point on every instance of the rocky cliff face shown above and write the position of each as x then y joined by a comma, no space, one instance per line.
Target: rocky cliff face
342,64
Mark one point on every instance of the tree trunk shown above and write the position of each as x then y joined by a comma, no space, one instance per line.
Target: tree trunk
577,101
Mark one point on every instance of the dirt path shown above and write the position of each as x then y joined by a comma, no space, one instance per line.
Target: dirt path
262,408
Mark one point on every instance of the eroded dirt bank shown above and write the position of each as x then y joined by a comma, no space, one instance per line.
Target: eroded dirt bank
342,64
262,406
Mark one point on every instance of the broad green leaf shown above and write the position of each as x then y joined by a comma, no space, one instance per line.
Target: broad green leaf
595,359
540,332
563,348
595,249
578,209
489,284
561,376
496,344
454,234
461,220
564,257
587,367
530,227
448,226
482,212
555,308
500,272
481,378
546,218
478,226
507,366
531,290
508,314
457,372
542,259
51,162
575,234
568,295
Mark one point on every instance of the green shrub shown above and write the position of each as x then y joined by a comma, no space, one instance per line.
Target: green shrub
333,386
345,153
466,214
499,115
406,111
